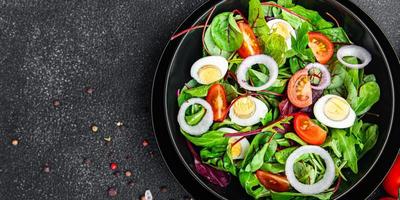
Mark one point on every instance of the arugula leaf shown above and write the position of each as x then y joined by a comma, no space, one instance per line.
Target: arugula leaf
250,183
208,139
336,34
225,32
346,145
282,155
275,46
212,48
257,18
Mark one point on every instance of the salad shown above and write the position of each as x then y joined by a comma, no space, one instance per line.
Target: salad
277,102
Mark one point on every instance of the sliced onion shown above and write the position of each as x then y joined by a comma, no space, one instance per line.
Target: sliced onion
326,76
203,125
148,195
268,61
319,186
356,51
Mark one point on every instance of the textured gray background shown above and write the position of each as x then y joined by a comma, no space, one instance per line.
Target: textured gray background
54,50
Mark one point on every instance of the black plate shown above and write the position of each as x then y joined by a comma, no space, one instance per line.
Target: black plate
180,54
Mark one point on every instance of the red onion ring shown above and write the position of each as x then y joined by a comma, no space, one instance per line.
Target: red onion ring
326,76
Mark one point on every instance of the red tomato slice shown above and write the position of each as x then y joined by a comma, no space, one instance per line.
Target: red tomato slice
216,97
391,184
321,46
299,89
273,182
387,198
308,131
250,44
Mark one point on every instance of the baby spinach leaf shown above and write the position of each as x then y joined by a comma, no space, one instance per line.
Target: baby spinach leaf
257,78
257,18
286,3
264,154
273,167
254,147
368,95
196,117
225,123
315,19
200,91
336,34
225,32
250,183
294,137
218,159
282,155
346,145
275,46
369,137
230,91
208,139
212,48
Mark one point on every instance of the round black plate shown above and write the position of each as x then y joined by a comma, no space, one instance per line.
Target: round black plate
180,54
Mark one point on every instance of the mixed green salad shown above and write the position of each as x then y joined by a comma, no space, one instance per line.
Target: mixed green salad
277,102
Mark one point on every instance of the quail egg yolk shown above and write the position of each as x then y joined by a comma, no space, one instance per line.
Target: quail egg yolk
244,107
235,149
281,29
209,74
336,109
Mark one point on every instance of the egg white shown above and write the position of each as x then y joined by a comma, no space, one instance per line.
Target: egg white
288,40
218,61
259,113
320,115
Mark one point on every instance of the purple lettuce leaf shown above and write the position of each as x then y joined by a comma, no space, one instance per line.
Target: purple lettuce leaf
287,108
214,176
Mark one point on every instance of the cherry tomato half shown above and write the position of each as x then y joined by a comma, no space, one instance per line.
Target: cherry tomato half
216,97
299,89
308,131
321,46
250,44
391,184
387,198
272,181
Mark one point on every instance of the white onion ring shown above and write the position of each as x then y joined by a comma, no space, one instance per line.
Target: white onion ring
326,76
319,186
268,61
203,125
356,51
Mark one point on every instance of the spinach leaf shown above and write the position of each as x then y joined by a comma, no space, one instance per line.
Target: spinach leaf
315,19
368,95
346,145
196,117
275,46
273,167
294,195
183,96
225,32
250,183
370,137
257,78
200,91
257,18
294,137
336,34
286,3
212,48
254,147
208,139
230,91
282,155
226,123
218,159
264,154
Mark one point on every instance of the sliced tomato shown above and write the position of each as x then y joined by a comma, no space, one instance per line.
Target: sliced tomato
299,89
250,45
391,183
308,131
387,198
272,181
216,97
321,46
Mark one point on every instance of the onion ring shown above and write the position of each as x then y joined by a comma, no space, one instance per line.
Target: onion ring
356,51
319,186
203,125
268,61
326,76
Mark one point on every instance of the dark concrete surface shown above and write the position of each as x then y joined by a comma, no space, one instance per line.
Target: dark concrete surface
50,53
